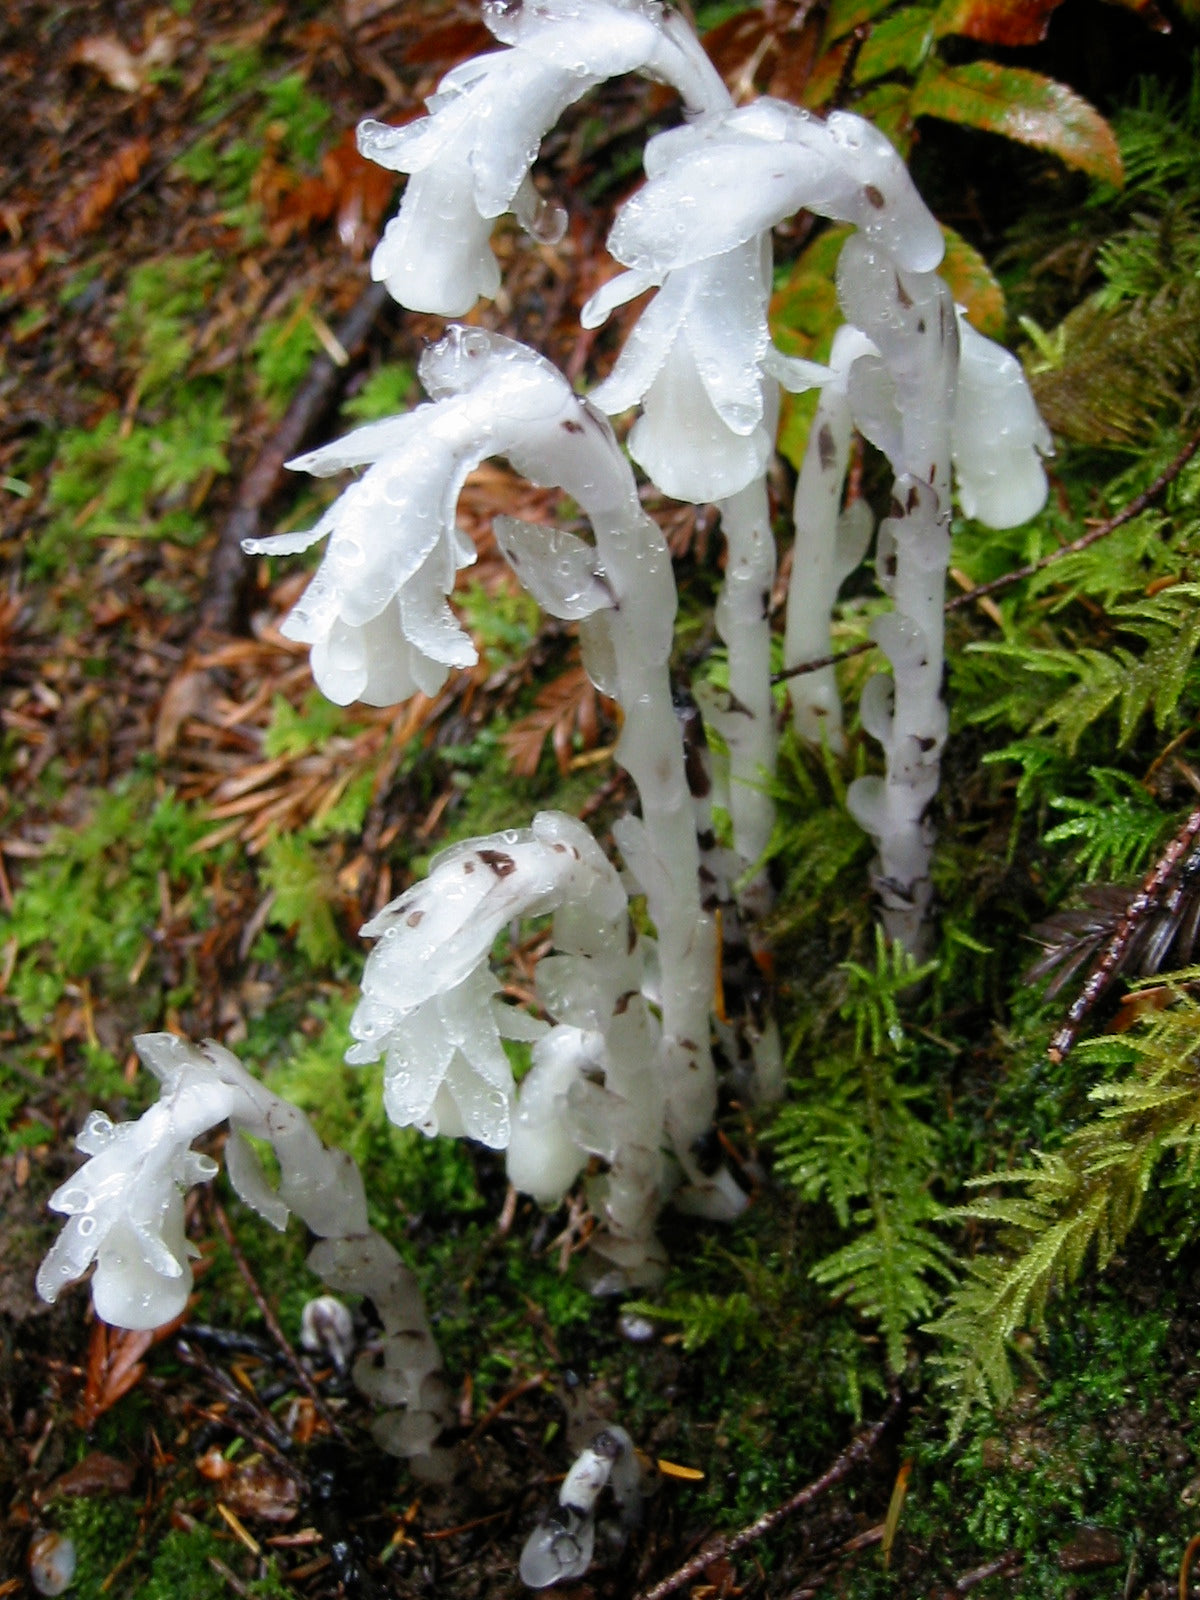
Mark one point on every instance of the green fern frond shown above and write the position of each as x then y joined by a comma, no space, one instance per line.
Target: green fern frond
1079,1204
888,1272
1127,560
1114,830
303,896
852,1139
1158,139
1168,625
703,1318
870,1004
1042,765
1122,366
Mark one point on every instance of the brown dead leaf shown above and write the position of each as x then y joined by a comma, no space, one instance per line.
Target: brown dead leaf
453,41
115,1365
184,697
355,191
119,173
262,1493
19,269
128,70
215,1465
97,1473
359,11
568,706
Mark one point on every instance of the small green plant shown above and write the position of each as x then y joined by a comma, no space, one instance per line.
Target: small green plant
1076,1205
89,908
851,1137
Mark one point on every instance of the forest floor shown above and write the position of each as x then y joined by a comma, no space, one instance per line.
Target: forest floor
190,838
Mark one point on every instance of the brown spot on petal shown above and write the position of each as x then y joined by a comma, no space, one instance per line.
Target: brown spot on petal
874,196
415,918
500,863
826,447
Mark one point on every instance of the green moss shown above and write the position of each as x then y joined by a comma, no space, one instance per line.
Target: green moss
165,1566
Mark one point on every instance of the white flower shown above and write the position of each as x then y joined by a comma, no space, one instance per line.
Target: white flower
470,159
695,361
125,1204
931,374
430,1005
126,1214
375,614
700,360
997,436
719,183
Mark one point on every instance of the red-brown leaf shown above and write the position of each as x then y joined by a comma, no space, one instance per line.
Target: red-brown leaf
349,187
564,708
262,1493
119,173
97,1473
1006,22
1024,106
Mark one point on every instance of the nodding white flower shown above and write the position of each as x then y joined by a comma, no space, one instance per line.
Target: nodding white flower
700,360
715,184
125,1203
932,381
470,159
997,436
126,1214
696,363
430,1005
375,614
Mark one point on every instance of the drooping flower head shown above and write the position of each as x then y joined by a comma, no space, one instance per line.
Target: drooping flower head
929,387
375,614
430,1005
700,359
470,158
125,1204
998,438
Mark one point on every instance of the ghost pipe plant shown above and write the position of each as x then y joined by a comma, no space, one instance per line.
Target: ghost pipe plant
470,159
125,1211
918,382
701,365
378,599
622,1069
430,1007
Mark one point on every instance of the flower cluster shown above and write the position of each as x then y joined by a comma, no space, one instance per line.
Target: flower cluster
125,1203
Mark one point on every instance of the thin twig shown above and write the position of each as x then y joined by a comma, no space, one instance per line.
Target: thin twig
506,1400
272,1321
729,1544
990,1569
242,1410
1127,513
818,662
1106,967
